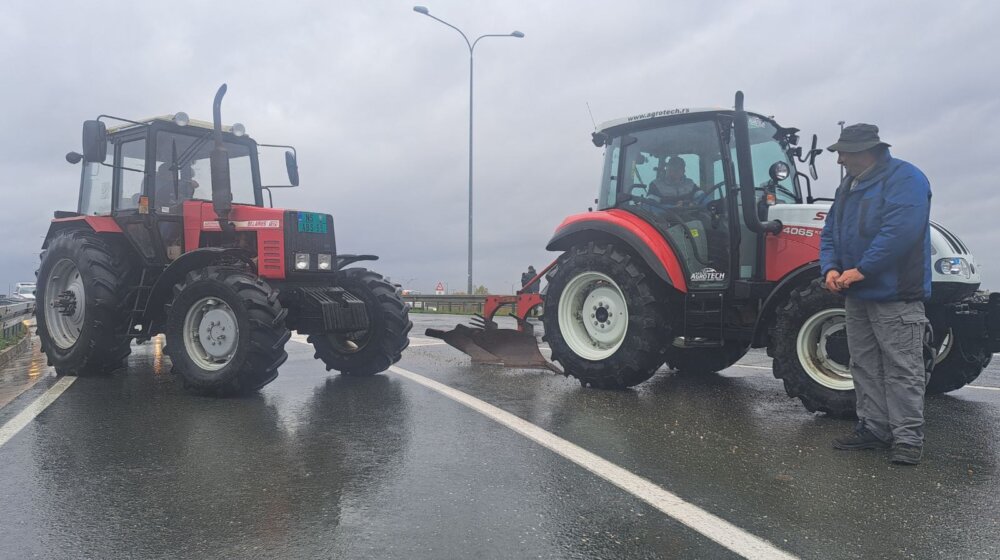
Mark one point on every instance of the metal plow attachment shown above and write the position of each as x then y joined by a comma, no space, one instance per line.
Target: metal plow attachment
486,343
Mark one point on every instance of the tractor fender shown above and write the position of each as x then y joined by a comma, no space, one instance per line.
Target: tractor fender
632,230
801,276
98,224
161,292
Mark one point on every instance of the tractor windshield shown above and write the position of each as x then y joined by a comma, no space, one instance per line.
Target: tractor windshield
668,176
767,147
183,170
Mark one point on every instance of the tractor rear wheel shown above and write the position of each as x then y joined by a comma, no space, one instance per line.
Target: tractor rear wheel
379,346
959,361
605,316
704,360
81,311
810,351
226,332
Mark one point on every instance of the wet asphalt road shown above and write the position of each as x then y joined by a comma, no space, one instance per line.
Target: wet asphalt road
324,466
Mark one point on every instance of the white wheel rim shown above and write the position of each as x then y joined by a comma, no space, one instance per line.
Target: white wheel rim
593,316
65,304
811,345
211,333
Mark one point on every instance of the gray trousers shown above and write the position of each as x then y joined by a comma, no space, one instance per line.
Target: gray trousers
887,364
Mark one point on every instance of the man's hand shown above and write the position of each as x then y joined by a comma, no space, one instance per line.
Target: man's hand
849,277
831,281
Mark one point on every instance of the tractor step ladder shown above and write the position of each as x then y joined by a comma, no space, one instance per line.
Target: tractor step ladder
702,320
142,292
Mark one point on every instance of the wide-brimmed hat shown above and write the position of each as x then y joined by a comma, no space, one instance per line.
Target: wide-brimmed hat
858,138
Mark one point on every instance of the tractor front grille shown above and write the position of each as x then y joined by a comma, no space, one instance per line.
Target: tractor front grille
308,238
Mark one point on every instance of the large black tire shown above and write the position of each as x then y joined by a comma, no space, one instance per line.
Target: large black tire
602,275
960,363
236,297
829,387
373,350
87,278
703,360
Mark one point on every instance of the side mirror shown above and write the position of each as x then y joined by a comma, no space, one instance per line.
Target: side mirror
95,141
813,152
293,168
74,157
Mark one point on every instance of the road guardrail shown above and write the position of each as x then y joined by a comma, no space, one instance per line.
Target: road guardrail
457,304
13,314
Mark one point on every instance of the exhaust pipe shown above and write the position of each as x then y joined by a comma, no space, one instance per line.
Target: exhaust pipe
222,191
744,166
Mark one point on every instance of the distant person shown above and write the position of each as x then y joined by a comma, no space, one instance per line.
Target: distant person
526,277
875,249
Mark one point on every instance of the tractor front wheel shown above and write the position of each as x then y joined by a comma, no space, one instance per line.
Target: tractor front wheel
226,332
604,316
958,362
374,349
810,351
81,311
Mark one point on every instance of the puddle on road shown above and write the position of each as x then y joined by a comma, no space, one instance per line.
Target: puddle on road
21,374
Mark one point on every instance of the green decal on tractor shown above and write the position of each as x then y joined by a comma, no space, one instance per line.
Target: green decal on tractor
310,222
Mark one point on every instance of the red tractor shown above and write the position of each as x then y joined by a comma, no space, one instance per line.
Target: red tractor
695,281
171,236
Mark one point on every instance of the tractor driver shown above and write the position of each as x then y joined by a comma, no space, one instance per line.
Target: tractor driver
166,196
673,186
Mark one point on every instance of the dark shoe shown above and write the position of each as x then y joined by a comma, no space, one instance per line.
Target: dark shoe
906,454
860,438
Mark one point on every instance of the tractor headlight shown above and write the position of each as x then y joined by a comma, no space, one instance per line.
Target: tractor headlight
325,261
953,266
301,261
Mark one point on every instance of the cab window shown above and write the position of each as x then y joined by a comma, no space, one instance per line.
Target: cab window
95,191
133,165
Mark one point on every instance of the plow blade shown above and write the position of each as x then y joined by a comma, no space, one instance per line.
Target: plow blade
488,344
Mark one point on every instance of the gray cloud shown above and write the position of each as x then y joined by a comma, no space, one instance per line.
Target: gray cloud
374,96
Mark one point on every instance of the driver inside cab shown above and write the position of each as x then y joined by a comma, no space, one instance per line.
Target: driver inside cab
672,186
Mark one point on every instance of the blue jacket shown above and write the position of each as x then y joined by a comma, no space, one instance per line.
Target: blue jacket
881,227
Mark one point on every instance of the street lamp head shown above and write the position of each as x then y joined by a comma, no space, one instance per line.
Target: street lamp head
517,34
421,10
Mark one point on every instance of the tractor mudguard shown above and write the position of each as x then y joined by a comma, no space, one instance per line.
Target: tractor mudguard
640,236
801,276
62,222
162,290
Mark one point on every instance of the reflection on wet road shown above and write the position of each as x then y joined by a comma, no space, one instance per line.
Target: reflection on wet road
321,465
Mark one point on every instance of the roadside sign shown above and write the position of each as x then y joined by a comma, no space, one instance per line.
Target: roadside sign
439,289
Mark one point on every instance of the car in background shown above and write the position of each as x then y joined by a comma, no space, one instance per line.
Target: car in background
24,290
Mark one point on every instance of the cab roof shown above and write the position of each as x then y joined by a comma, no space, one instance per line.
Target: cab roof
632,119
169,119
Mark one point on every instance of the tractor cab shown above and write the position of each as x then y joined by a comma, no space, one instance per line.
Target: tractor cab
676,170
145,173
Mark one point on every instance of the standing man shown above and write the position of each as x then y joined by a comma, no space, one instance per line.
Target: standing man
876,251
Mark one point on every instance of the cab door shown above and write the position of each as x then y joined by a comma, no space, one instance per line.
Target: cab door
695,217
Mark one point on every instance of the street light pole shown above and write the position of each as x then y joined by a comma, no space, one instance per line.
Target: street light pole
472,48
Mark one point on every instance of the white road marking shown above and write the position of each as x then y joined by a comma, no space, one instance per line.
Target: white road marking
749,366
23,418
715,528
415,341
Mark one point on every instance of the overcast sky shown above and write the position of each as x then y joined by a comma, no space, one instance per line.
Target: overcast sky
375,98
